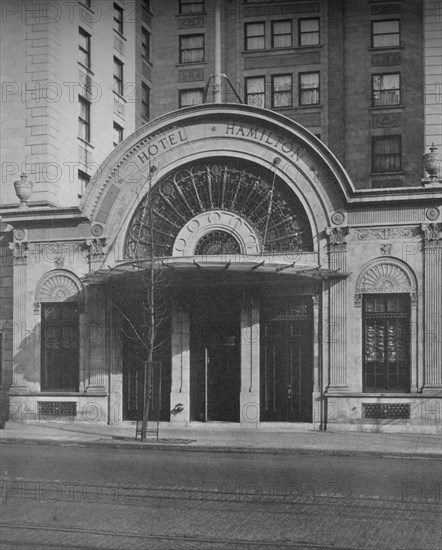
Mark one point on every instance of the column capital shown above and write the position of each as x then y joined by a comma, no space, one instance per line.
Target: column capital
19,252
432,233
337,237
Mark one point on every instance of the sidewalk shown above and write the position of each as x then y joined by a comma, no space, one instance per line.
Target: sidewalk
220,439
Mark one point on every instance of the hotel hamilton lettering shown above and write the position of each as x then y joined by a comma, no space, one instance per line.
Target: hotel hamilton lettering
163,144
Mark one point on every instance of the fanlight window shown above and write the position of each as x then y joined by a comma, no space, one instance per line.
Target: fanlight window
272,210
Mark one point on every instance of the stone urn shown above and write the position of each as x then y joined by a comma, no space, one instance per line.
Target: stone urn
431,162
23,189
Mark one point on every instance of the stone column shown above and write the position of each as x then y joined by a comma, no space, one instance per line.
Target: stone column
249,396
180,388
433,306
338,309
20,304
317,385
94,334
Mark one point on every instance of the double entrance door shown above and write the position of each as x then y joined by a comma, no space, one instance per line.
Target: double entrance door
286,357
215,370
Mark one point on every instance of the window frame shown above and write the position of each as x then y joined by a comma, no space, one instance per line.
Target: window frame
247,94
192,3
182,92
86,52
52,369
383,369
118,19
84,122
145,43
301,90
118,130
247,37
373,35
275,93
378,139
183,37
273,34
304,33
118,79
83,179
145,101
375,75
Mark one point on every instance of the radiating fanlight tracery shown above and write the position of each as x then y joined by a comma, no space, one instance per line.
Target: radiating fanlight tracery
277,217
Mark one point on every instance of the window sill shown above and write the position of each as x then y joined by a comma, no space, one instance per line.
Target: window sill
88,144
383,174
120,97
118,33
87,69
291,49
388,48
399,106
192,64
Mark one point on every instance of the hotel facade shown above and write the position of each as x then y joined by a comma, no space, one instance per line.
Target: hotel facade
281,185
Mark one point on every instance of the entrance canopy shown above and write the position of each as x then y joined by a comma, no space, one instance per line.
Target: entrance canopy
202,265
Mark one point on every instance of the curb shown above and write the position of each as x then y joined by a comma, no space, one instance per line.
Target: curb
186,445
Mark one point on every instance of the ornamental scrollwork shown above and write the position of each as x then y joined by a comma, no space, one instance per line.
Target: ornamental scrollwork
432,235
95,248
384,233
19,252
337,237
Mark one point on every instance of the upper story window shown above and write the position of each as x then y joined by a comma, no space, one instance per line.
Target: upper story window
146,4
386,346
118,134
191,7
84,48
309,88
118,18
84,119
281,34
282,90
385,34
255,91
145,100
118,76
83,181
386,89
192,48
254,36
145,43
309,32
386,153
191,97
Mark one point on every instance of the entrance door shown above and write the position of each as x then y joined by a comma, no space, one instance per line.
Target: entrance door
286,359
215,375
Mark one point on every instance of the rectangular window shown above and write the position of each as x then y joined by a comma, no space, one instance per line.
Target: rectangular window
254,36
84,119
118,134
386,89
255,91
146,4
309,89
282,90
281,34
192,48
145,43
84,48
60,346
118,18
118,76
145,100
308,32
190,97
83,180
192,7
386,153
385,34
386,342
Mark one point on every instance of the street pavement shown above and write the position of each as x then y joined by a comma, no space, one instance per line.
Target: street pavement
217,437
74,496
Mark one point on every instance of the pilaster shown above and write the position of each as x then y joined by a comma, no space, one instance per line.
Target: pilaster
180,388
337,330
249,396
432,241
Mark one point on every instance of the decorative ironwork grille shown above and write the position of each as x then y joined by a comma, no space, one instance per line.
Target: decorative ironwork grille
217,242
386,411
56,408
243,189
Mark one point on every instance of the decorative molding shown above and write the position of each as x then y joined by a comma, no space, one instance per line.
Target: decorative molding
19,234
432,235
191,75
191,22
386,9
19,252
338,218
58,285
385,59
385,275
383,233
95,248
432,213
386,249
316,300
337,237
391,120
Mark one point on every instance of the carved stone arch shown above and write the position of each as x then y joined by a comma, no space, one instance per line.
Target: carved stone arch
59,285
385,275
